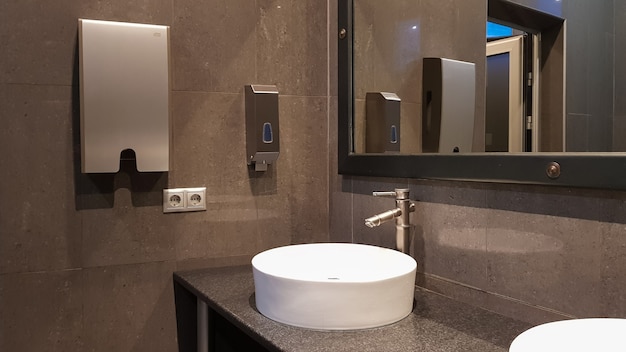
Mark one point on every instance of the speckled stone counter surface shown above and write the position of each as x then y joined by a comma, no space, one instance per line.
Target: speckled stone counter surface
436,324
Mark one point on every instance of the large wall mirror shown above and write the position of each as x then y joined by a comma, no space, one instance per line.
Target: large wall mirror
524,91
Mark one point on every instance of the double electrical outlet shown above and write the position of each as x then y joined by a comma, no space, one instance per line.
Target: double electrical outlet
176,200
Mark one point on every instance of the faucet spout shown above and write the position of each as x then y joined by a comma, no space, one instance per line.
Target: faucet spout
404,206
381,218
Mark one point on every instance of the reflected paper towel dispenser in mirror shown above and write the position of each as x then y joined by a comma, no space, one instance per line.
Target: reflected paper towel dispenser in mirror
262,132
382,122
448,105
124,95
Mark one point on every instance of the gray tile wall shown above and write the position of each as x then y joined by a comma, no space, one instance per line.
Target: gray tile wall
86,261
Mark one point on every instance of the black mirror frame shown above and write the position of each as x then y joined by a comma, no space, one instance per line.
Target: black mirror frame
591,170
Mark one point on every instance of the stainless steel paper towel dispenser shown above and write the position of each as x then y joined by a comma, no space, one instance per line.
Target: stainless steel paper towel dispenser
448,105
382,122
262,128
124,95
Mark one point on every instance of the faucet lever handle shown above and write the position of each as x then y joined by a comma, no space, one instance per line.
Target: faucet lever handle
384,194
398,193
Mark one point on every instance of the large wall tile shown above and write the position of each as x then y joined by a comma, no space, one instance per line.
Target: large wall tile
227,228
40,38
126,233
208,142
34,55
612,280
290,51
544,246
545,260
453,241
40,228
304,153
129,308
274,222
613,248
41,311
214,45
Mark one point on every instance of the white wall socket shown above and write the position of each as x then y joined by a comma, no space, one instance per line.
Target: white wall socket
176,200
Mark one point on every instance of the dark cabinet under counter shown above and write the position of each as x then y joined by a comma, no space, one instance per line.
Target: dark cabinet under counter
232,323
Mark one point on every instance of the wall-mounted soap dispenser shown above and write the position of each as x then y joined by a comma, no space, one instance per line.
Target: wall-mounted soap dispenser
382,122
124,95
262,132
448,105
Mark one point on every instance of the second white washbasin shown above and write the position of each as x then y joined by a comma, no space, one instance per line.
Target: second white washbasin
575,335
334,286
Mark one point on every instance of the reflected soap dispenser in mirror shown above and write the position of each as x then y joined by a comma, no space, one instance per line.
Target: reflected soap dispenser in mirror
382,122
262,129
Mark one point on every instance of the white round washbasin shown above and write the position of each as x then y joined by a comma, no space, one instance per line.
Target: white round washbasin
576,335
334,286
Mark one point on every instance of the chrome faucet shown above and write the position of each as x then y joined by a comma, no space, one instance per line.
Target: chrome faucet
404,206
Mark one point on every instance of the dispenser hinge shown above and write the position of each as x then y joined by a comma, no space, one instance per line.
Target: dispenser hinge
530,79
529,122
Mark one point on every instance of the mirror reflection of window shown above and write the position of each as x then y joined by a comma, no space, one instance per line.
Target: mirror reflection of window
504,120
495,30
509,110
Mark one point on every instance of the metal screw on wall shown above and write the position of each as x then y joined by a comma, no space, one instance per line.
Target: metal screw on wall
553,170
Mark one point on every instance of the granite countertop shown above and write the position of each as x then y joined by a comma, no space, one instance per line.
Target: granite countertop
437,323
